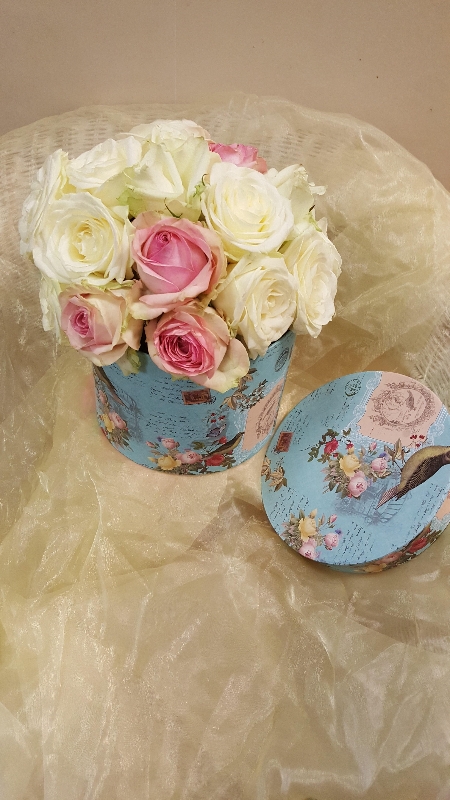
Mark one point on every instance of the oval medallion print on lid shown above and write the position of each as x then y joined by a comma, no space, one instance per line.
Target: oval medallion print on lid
357,476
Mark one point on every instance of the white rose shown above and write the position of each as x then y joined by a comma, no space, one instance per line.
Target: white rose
49,185
175,157
170,132
258,300
156,176
246,210
79,239
49,292
292,182
103,162
316,265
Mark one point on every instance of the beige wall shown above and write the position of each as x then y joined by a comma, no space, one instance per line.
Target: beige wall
384,61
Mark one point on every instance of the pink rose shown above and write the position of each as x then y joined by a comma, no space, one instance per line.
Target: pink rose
117,420
194,342
98,323
331,540
391,558
177,260
379,465
357,484
170,444
243,155
331,447
332,519
308,550
189,457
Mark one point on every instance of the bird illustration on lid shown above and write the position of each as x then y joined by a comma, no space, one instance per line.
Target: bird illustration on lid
419,468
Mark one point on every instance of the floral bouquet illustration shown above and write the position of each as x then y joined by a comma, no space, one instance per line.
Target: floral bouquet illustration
305,533
216,449
349,471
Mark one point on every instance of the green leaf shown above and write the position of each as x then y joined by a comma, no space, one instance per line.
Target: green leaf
198,446
129,363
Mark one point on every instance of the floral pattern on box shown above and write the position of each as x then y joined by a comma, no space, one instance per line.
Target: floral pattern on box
239,400
306,533
427,536
276,477
386,484
216,450
112,424
350,470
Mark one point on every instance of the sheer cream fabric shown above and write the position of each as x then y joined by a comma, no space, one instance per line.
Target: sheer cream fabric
158,641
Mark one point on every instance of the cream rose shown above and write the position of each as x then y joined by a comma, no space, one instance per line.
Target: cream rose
315,264
49,185
258,300
79,239
175,157
98,323
292,182
103,162
172,133
49,292
246,210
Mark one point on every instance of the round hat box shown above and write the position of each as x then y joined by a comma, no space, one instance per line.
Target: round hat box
357,476
180,427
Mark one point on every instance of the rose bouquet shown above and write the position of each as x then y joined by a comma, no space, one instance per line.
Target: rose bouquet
166,240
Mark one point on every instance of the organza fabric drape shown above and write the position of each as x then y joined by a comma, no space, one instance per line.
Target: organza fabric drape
158,641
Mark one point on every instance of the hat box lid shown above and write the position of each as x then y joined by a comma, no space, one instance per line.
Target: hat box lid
357,475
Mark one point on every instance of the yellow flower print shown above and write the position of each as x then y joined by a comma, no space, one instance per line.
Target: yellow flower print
168,463
307,528
107,422
374,567
349,464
